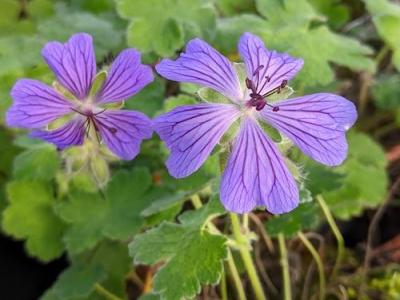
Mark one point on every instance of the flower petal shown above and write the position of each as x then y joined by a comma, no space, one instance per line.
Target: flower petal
316,124
126,77
73,63
71,133
257,175
35,105
191,132
202,64
276,67
123,131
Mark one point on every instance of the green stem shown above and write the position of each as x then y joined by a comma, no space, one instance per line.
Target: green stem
196,201
246,257
318,261
236,277
222,286
287,292
381,55
337,234
105,293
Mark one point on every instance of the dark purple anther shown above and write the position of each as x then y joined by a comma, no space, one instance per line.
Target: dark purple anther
275,108
260,105
283,84
258,70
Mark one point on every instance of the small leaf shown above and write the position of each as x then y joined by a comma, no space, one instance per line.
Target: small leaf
193,256
30,216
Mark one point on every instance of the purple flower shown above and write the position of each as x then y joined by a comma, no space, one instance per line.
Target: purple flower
74,64
256,174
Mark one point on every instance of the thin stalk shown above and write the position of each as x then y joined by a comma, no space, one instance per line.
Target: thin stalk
287,292
337,234
246,257
236,277
318,261
105,293
222,287
196,201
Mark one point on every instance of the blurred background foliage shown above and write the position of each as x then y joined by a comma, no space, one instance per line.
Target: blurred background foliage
86,207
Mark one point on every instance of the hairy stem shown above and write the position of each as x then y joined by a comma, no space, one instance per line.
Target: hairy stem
337,234
105,293
318,261
246,257
287,292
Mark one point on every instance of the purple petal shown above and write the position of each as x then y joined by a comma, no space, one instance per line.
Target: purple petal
35,105
267,69
71,133
123,131
73,63
126,77
202,64
257,175
316,124
191,132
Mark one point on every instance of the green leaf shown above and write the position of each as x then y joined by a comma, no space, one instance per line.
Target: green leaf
106,37
337,13
76,282
30,216
107,265
193,256
232,7
386,92
288,27
332,48
177,22
40,163
386,17
304,217
294,13
116,215
149,100
365,181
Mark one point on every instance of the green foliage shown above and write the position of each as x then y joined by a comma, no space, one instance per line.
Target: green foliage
116,214
163,26
30,216
38,163
305,217
386,92
193,256
365,179
285,29
386,17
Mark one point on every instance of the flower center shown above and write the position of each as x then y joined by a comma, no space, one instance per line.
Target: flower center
257,99
91,113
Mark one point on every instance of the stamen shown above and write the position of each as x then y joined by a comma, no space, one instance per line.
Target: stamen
283,84
275,108
100,112
258,70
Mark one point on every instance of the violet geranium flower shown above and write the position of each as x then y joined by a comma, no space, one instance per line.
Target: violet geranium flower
255,174
74,65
